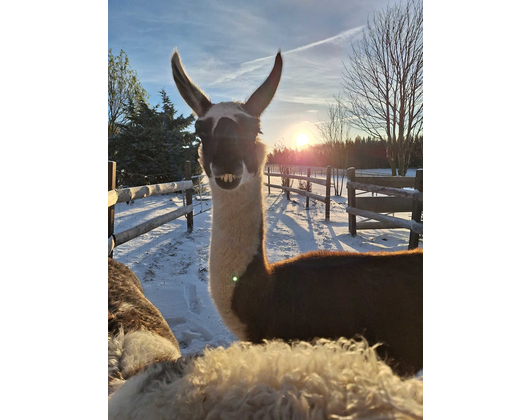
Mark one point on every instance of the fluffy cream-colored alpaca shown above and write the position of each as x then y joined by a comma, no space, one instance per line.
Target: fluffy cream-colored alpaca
340,379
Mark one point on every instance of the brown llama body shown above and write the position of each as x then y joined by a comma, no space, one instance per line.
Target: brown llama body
327,294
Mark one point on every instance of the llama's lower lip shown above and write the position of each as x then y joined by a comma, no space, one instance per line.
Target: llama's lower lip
227,185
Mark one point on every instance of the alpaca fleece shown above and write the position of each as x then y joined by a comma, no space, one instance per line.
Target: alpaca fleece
342,379
138,334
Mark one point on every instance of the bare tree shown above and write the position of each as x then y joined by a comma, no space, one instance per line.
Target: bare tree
123,87
333,131
383,80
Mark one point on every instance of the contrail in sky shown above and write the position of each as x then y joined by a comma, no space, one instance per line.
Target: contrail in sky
252,65
345,34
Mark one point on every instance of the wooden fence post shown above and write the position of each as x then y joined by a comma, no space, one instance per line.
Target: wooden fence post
417,207
112,186
352,218
288,183
187,175
269,178
307,188
328,191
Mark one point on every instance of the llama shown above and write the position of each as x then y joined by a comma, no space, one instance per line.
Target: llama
319,294
342,379
138,335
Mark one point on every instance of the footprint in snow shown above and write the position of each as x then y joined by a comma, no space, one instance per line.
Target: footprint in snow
196,333
173,322
194,302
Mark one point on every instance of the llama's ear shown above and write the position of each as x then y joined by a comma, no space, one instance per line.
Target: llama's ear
260,99
189,92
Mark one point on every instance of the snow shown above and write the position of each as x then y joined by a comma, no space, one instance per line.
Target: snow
172,264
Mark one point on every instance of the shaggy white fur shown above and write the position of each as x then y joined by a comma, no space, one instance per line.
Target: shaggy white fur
132,352
341,379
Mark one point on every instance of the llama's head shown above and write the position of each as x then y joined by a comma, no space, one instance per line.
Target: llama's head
230,152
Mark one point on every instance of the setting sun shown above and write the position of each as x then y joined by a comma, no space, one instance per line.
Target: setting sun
302,140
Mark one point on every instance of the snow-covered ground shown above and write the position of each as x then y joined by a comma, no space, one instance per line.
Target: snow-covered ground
172,264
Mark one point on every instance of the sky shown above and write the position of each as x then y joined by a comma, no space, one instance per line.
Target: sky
228,49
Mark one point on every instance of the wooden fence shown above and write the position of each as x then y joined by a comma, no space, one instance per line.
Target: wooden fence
326,182
319,170
399,200
136,193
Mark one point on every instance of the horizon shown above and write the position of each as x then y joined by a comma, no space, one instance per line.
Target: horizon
225,54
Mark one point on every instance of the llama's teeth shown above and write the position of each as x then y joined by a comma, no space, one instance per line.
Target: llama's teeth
227,177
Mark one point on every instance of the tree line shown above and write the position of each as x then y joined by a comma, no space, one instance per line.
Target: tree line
361,153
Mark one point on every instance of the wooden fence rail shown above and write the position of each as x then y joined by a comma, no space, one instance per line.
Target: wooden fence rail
135,193
122,195
125,236
301,192
326,182
304,178
399,201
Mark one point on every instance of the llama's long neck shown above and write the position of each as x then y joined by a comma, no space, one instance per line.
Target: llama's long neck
236,241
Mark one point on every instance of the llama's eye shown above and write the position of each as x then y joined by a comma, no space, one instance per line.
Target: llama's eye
203,129
250,136
201,135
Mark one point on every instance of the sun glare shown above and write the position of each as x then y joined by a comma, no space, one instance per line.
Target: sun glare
302,140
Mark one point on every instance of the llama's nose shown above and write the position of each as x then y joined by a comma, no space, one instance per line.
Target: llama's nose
224,166
227,159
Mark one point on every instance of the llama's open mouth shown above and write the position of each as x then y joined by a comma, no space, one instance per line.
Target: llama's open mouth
228,181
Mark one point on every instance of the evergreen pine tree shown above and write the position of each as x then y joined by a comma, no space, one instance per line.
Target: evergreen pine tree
153,145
